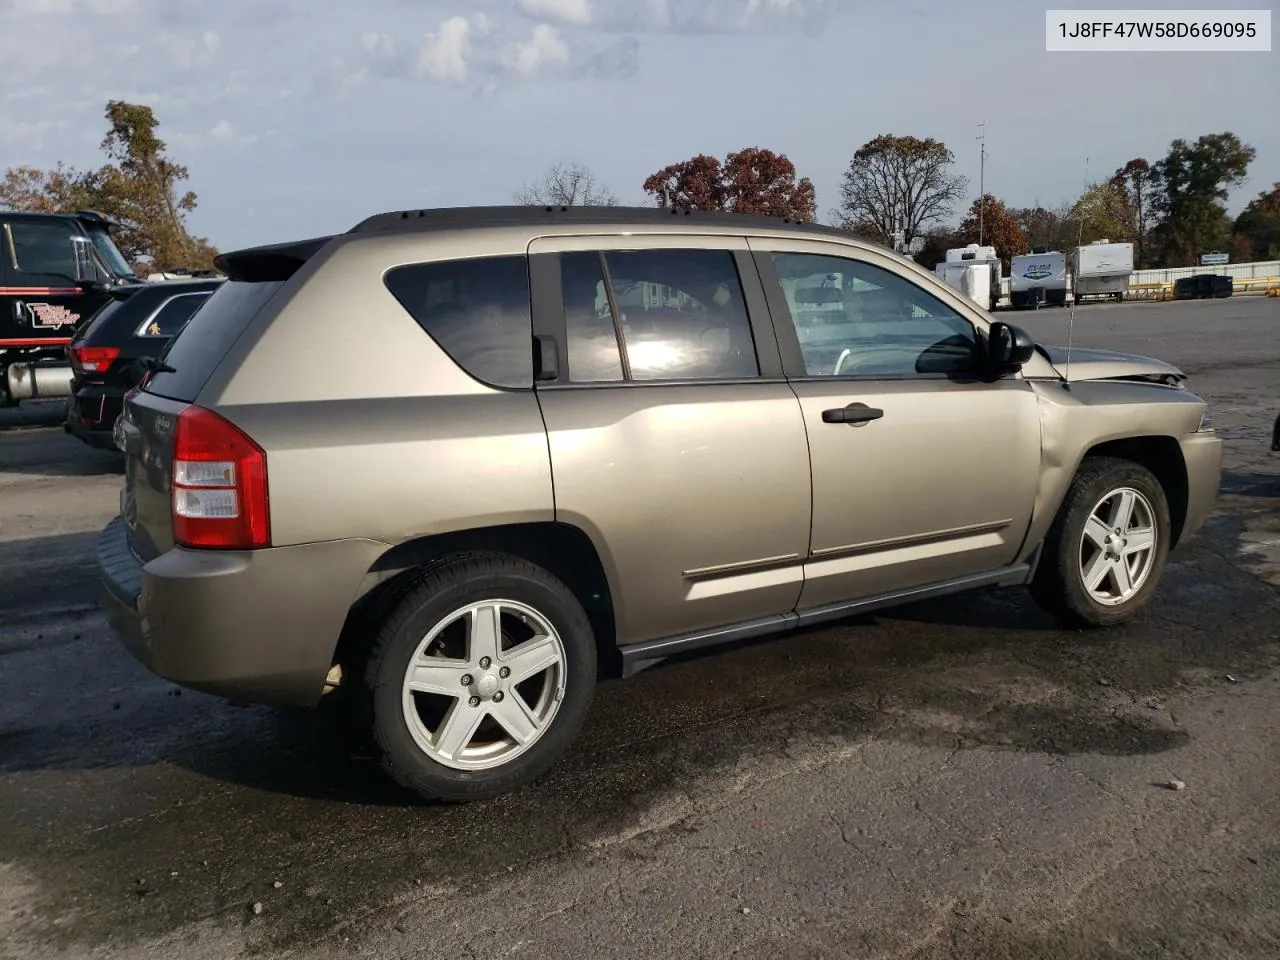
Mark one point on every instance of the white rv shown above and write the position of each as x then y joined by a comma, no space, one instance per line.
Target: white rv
974,271
1038,277
1102,268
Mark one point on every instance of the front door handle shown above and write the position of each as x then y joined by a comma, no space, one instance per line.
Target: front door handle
855,413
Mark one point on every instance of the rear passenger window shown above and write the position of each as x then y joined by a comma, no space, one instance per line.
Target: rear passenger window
172,316
681,315
477,311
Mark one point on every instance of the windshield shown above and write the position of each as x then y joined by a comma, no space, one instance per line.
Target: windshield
109,252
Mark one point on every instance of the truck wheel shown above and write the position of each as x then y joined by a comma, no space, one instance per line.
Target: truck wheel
479,678
1106,550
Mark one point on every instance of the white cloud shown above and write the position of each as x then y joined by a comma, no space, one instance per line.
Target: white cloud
543,49
443,54
659,12
109,7
224,131
577,12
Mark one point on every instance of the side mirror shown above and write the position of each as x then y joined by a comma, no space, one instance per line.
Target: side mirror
1008,348
86,262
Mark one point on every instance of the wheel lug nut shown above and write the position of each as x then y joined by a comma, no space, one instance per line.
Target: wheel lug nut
484,663
474,701
466,680
504,672
497,697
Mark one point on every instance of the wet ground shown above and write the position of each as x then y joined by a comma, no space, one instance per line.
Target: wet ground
959,779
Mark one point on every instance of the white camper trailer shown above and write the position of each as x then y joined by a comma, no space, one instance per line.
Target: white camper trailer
974,271
1038,277
1102,268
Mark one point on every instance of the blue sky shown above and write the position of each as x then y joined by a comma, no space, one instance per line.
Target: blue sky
300,118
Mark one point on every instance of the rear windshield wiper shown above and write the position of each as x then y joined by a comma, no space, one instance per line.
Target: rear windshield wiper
155,365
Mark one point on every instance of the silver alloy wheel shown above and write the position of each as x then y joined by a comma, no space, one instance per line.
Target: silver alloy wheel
489,706
1118,547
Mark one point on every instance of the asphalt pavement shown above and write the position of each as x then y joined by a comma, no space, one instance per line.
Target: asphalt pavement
957,779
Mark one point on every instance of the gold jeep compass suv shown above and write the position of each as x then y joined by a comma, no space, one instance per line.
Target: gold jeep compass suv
459,463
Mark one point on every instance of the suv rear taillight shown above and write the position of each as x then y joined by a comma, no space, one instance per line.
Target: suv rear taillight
92,359
219,484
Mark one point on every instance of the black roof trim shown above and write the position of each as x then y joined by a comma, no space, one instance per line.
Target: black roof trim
463,217
278,261
84,216
124,291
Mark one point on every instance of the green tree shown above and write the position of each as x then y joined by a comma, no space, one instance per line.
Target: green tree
139,188
1043,227
1000,228
1195,181
1259,224
898,183
146,187
1101,213
935,247
49,191
1140,185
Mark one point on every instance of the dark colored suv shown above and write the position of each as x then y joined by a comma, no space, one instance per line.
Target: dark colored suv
138,321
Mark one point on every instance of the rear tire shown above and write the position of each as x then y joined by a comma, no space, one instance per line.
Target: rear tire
480,678
1089,574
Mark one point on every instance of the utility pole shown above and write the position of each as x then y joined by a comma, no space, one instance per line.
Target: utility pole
982,170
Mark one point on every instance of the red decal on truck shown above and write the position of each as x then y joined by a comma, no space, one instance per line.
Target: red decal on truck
40,291
35,342
51,315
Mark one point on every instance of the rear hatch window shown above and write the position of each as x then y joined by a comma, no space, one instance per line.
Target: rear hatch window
212,330
101,319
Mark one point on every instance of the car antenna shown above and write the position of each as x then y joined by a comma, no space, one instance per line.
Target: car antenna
1071,317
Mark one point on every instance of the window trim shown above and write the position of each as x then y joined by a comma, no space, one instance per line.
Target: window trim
624,355
549,318
789,339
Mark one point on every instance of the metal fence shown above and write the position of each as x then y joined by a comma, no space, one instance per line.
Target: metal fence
1238,271
1256,277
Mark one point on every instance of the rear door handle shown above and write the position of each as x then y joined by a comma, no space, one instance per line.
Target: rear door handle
854,413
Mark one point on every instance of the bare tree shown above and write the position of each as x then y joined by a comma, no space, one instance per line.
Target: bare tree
898,183
566,185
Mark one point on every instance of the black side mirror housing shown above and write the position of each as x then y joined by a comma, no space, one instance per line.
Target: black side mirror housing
1008,348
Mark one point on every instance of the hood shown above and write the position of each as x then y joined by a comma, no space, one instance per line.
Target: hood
1109,365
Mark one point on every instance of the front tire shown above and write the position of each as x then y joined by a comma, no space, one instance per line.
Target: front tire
1106,550
480,678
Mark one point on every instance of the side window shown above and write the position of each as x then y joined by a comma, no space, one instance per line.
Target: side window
682,314
854,319
43,248
477,311
172,316
593,354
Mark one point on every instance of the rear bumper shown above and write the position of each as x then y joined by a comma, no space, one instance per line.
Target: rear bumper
1202,454
257,626
92,413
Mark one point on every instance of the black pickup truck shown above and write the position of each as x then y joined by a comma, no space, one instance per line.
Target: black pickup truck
56,270
109,353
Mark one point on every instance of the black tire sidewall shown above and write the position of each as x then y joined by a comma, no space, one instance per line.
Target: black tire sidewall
1085,497
414,618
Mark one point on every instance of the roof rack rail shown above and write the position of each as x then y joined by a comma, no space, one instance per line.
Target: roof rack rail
487,216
